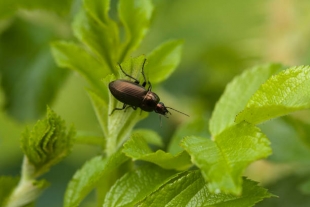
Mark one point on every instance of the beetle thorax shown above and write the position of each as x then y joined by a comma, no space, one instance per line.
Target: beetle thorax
150,101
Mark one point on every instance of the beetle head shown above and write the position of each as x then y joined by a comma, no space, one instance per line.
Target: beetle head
161,109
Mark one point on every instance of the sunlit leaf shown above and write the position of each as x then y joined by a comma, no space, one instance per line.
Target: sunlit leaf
223,160
282,94
237,94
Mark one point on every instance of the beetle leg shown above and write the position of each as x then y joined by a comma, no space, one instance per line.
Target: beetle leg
124,106
136,81
133,107
144,83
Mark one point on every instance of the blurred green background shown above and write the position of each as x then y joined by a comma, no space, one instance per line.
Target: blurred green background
221,39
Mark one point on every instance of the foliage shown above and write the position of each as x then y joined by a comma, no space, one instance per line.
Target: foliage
204,161
45,145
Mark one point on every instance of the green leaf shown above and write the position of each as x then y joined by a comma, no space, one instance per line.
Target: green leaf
47,143
237,94
287,92
135,186
223,160
135,16
100,37
190,189
151,137
7,186
75,57
87,178
164,60
198,126
99,10
136,148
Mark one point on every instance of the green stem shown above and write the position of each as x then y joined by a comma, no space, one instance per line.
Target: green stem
27,189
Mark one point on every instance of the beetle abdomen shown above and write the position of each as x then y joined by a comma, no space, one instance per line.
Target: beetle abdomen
127,92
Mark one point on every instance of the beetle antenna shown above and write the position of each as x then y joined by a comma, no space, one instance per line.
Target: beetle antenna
177,111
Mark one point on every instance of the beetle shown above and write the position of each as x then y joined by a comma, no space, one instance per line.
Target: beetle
134,95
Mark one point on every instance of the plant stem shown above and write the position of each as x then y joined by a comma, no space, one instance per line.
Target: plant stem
27,189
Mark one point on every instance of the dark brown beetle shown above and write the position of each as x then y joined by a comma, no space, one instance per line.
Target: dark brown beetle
134,95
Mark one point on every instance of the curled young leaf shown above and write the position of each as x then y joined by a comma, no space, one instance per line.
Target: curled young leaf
47,143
